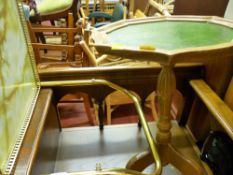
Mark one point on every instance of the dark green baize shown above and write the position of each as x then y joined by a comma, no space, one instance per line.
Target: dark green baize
171,35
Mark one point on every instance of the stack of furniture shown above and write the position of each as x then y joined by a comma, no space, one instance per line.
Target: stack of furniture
32,142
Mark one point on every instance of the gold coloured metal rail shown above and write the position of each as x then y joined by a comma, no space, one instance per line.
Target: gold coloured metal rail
138,107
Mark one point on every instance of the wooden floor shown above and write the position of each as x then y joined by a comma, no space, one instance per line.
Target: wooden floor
81,148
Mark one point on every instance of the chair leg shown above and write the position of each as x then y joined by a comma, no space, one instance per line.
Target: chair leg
53,24
87,106
109,111
96,111
150,103
40,37
59,117
153,106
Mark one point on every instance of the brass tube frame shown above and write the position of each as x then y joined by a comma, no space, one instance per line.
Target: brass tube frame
138,107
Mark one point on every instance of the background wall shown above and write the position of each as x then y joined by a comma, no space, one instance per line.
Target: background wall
200,7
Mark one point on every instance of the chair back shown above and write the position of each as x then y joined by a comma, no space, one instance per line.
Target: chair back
62,48
118,12
153,8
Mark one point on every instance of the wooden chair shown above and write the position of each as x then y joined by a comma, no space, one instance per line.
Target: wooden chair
117,98
222,110
80,97
107,13
108,6
44,10
65,44
152,8
101,5
157,7
73,57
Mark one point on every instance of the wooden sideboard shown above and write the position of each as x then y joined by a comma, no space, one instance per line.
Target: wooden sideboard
39,148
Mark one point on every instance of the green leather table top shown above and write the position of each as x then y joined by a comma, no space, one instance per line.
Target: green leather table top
171,35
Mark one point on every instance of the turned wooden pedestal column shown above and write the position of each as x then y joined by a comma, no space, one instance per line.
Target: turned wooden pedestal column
166,87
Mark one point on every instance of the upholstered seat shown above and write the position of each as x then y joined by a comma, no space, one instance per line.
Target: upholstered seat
51,10
46,7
